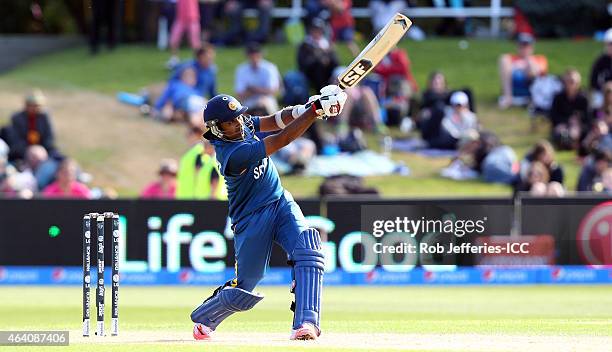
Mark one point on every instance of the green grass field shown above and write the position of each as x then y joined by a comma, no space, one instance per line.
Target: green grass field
533,318
82,89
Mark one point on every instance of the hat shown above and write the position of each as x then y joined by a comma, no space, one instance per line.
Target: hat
168,166
525,38
253,48
317,23
459,98
36,97
608,36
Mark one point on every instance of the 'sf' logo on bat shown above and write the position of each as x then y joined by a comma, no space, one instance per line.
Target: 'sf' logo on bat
356,72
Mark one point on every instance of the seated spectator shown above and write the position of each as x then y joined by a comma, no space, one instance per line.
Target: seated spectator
381,11
234,10
569,113
361,109
180,100
187,19
5,171
316,56
205,69
66,184
593,170
444,128
517,71
606,182
538,182
483,155
600,134
342,22
437,93
38,163
32,126
198,177
601,71
295,157
257,82
399,85
165,186
544,153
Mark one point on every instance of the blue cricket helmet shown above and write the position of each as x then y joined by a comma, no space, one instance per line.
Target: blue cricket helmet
221,108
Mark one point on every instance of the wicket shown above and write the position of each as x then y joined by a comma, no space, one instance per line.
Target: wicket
100,287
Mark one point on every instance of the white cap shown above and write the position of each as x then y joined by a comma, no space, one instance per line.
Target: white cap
608,36
459,98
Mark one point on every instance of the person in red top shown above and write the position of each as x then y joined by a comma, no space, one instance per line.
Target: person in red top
398,83
165,186
342,22
66,184
396,63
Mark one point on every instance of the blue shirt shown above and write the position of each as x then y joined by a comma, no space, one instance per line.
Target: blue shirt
206,76
250,176
176,92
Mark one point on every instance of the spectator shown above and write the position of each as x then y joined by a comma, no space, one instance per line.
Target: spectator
600,134
295,157
205,68
399,85
569,113
544,153
316,56
381,11
538,182
187,20
103,13
517,71
209,9
257,82
180,100
444,128
198,177
234,9
5,171
601,71
437,93
43,168
342,22
454,26
606,181
361,109
165,186
31,126
66,184
592,171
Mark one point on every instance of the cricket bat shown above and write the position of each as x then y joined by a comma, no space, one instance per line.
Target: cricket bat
369,57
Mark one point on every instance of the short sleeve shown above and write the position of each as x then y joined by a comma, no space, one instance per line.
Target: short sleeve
244,156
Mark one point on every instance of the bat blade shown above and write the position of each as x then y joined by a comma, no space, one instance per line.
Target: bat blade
371,55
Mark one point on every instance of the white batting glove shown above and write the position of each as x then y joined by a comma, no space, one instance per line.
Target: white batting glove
332,100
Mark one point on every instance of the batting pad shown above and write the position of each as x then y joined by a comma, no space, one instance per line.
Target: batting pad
308,268
225,303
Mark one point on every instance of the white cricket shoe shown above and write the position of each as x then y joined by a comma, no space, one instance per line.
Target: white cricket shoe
306,332
202,332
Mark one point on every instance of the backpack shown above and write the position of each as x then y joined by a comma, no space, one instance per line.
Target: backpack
296,88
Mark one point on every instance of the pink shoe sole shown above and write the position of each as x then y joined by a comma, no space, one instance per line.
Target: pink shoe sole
201,332
306,332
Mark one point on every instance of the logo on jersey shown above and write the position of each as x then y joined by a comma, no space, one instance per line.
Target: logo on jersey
232,105
259,170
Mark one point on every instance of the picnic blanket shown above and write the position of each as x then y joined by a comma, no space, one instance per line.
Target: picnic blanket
419,146
363,163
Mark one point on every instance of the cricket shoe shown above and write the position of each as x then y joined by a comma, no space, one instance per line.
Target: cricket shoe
305,332
202,332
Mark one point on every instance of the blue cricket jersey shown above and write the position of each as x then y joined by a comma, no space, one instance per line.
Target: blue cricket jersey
250,176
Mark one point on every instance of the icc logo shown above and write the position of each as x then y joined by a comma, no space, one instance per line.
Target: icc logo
594,238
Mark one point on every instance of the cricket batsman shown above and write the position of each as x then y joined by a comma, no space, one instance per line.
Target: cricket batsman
262,212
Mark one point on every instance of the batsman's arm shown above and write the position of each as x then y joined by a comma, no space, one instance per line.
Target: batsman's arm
269,123
291,132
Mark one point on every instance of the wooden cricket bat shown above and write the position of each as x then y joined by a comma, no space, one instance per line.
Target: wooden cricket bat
369,57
